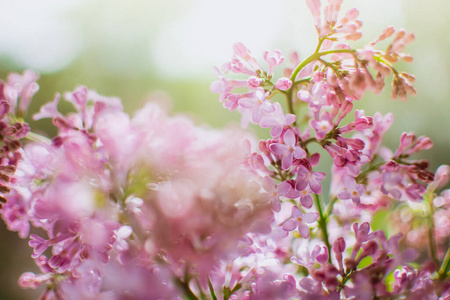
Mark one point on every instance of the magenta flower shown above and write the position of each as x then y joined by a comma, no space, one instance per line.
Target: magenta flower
288,150
299,220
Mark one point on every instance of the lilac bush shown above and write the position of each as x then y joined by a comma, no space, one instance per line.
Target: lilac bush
151,206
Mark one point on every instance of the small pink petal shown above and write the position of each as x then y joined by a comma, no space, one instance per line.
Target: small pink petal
296,212
289,138
349,182
301,184
247,102
278,149
267,107
257,115
306,201
344,195
299,153
314,159
289,225
303,229
275,131
315,186
304,96
289,119
283,188
286,161
310,217
319,176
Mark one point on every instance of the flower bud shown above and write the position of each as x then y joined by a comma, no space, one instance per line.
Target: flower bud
339,245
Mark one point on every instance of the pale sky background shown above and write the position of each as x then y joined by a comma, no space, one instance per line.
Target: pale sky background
180,38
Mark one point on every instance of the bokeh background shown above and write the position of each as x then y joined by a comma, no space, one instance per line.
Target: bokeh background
135,49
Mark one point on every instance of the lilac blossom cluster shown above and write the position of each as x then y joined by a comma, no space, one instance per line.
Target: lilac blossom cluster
154,207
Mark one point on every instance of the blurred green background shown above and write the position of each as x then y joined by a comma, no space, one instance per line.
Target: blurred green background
134,49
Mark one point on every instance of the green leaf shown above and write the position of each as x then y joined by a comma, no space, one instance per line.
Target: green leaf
380,221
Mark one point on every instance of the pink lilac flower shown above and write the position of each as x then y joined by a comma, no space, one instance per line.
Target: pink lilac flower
273,59
352,190
257,104
277,120
241,51
299,220
25,86
307,178
316,98
237,66
308,259
322,126
254,82
288,150
268,286
283,84
127,205
276,191
305,198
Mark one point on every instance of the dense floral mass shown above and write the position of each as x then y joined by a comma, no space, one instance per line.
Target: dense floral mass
154,207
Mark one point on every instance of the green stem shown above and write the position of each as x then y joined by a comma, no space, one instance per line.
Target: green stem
185,284
37,138
313,57
319,45
371,168
330,207
289,102
323,225
445,265
211,289
381,60
302,81
431,241
316,56
186,289
344,280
